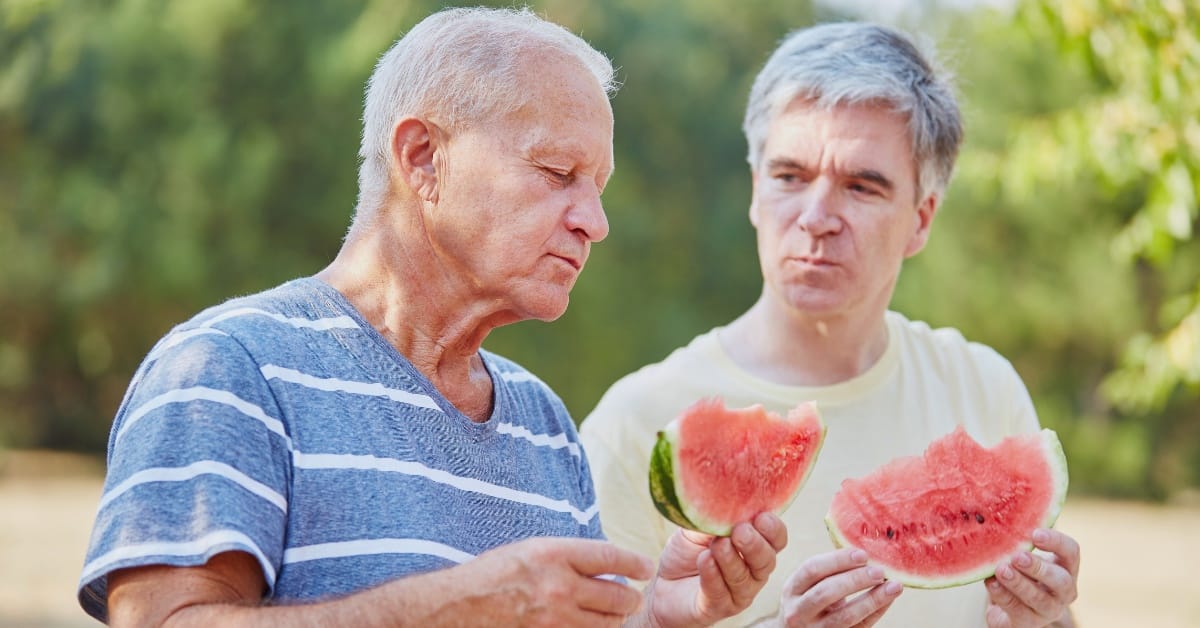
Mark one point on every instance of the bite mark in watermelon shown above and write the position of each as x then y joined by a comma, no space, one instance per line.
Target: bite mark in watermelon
949,516
714,467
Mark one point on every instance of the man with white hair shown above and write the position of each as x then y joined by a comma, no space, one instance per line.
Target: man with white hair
340,450
852,139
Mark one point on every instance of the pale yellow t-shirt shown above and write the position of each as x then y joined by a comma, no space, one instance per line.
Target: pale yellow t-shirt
926,383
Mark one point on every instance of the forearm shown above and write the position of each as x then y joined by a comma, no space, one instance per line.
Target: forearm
437,598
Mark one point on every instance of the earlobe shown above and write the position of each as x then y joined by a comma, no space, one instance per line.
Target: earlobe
415,143
754,199
925,214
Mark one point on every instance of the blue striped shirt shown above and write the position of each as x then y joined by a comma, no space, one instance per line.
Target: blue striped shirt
283,425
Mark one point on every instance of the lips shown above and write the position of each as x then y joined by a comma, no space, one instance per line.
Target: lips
575,262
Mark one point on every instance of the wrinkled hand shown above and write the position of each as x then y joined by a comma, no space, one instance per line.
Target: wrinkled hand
552,582
1035,590
703,579
818,593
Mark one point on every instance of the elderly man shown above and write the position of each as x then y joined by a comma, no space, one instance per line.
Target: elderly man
339,450
852,137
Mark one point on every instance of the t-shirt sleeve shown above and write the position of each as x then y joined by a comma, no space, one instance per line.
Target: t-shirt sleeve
198,464
619,459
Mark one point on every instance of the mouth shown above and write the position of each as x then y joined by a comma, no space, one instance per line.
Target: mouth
812,261
574,262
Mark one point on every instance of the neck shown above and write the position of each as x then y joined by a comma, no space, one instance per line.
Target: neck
390,273
803,349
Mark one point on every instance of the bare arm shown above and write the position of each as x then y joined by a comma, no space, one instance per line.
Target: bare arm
534,582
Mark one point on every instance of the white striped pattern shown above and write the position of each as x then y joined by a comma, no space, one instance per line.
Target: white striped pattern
180,336
197,547
557,441
330,384
373,463
368,547
203,467
204,393
320,324
521,376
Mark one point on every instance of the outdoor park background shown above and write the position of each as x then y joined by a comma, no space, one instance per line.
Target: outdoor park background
158,157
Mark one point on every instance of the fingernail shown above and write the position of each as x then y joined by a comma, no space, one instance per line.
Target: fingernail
1040,536
875,573
1006,572
1023,560
858,556
893,588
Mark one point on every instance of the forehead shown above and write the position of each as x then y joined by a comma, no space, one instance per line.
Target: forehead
866,136
566,111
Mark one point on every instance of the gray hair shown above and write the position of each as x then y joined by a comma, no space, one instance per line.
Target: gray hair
855,63
458,67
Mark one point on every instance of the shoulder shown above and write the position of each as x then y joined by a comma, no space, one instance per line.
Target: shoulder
648,398
945,349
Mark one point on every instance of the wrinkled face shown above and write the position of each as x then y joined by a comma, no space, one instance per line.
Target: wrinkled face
835,209
519,197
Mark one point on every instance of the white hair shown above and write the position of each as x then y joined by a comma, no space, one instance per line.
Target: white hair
855,63
458,67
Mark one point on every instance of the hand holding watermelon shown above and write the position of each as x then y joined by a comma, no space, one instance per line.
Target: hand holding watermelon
1036,590
703,578
819,592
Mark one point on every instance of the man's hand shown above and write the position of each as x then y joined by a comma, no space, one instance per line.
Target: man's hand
703,579
534,582
818,593
1035,590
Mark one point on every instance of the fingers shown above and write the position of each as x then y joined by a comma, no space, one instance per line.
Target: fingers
821,589
822,566
1064,548
594,558
608,598
1029,586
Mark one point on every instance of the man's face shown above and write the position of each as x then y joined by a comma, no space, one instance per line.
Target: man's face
519,197
835,209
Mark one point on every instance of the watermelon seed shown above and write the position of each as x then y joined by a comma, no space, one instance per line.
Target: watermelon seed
890,533
979,517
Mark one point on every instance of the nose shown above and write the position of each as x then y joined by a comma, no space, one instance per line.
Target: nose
586,214
819,212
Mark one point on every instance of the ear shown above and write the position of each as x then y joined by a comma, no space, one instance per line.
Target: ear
415,144
926,210
754,218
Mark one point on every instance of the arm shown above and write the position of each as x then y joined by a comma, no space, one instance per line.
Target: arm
541,581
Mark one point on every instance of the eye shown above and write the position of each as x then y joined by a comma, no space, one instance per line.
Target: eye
559,177
864,190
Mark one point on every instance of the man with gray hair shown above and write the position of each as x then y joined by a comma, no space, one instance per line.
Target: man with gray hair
341,451
852,139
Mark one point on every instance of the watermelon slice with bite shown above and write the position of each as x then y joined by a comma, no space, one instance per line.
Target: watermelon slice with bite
714,467
949,516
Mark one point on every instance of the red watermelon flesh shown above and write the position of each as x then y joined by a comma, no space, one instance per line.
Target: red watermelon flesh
950,516
714,467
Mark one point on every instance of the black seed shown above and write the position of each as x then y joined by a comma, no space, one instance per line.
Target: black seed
890,532
979,517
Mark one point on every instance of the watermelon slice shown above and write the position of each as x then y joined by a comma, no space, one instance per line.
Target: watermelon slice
948,517
714,467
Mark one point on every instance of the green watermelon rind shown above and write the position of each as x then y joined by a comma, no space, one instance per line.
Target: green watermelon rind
662,485
665,487
1057,461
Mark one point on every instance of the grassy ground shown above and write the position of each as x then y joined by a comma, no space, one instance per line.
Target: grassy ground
1139,560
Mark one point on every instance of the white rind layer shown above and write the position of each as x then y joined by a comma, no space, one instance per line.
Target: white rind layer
1056,459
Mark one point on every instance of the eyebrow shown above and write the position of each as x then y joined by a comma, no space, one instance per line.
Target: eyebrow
866,174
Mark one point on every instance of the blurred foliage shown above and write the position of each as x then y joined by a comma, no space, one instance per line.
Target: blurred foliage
157,157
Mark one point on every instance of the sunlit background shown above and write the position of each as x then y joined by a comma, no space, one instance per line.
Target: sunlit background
158,157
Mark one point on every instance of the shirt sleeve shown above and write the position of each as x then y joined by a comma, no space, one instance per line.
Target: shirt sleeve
198,464
620,465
